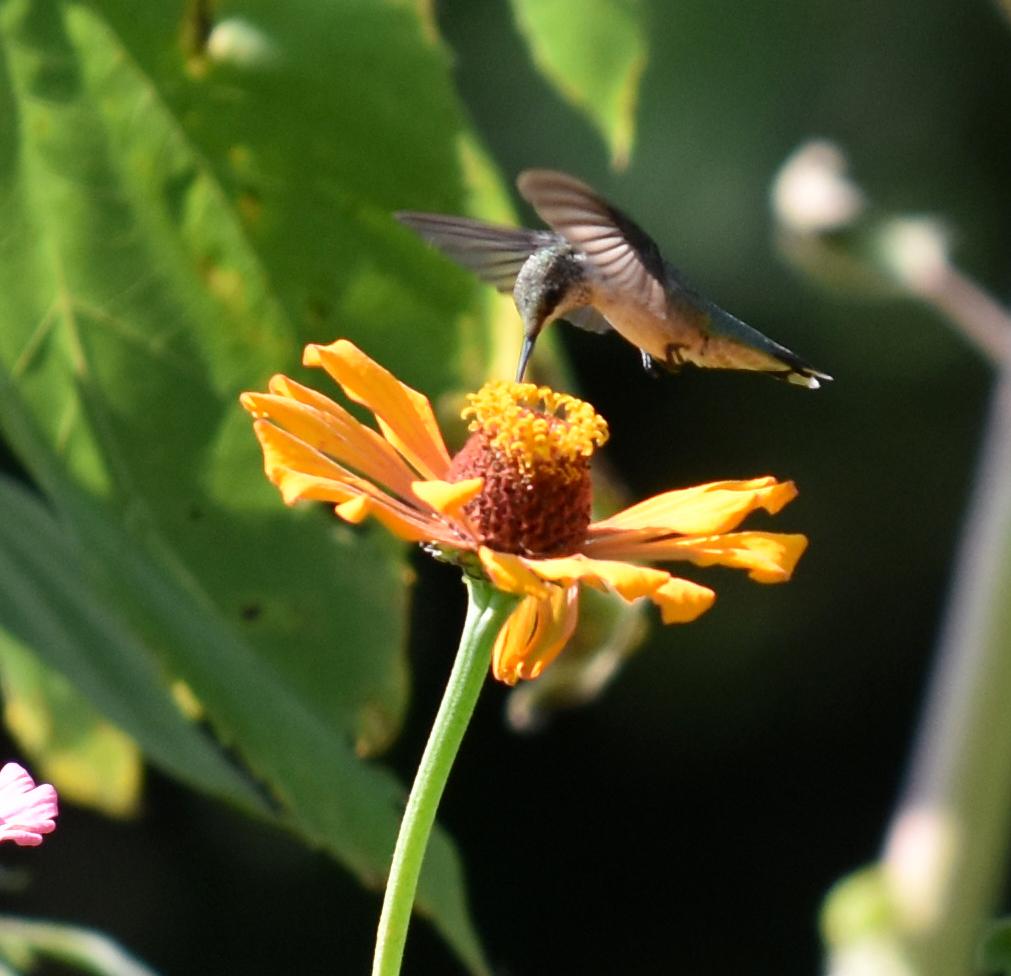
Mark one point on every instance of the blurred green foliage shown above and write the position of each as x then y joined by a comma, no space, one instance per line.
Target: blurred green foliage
189,195
594,52
190,192
995,948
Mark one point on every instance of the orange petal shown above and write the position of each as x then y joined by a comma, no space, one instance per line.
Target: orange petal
510,573
285,456
535,634
446,497
405,415
332,431
702,510
769,557
626,579
355,510
358,509
679,600
302,474
296,486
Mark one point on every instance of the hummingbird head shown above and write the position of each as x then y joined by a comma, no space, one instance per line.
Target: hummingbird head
551,282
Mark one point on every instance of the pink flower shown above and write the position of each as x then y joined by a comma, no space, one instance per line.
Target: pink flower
26,810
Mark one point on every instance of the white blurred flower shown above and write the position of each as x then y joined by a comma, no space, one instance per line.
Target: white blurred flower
915,250
812,193
237,42
918,862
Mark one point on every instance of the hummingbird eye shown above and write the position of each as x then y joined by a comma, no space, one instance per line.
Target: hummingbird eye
550,299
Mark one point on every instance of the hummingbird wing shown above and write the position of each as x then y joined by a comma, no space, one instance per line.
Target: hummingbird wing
624,256
495,254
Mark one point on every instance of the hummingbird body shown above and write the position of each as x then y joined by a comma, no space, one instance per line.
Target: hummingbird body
600,271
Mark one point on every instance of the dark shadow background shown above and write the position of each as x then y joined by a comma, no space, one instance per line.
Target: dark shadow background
692,819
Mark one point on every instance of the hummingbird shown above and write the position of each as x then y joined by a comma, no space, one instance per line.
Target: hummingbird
598,270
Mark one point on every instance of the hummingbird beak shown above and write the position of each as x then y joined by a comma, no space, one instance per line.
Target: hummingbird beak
528,348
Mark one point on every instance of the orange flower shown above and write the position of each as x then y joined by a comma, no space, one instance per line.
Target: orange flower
514,504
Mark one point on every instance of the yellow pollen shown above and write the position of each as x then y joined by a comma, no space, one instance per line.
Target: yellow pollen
534,425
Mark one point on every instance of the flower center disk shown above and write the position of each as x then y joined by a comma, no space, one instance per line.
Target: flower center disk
533,447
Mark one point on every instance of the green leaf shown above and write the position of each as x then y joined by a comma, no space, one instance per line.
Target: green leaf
594,52
334,800
186,199
47,602
70,744
994,954
144,298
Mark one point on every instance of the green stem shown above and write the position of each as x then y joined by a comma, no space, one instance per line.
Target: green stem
79,947
945,856
487,610
949,839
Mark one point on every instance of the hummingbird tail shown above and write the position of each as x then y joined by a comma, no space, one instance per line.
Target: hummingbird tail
755,350
806,376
